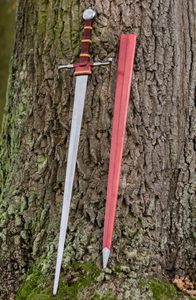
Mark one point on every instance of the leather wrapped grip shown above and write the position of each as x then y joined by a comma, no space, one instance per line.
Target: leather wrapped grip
86,42
85,67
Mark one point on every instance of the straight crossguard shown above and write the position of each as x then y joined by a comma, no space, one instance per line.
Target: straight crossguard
82,70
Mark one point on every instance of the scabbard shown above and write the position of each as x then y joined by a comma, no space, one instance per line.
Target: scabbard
122,95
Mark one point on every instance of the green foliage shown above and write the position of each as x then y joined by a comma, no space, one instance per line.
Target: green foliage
162,290
78,276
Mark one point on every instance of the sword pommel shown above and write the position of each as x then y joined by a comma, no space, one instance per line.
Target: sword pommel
89,14
85,67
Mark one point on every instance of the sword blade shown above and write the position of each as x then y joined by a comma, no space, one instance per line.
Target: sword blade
80,92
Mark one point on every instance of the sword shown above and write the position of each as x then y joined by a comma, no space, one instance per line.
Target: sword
122,93
81,70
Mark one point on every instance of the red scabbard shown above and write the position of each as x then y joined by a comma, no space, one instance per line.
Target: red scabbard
122,94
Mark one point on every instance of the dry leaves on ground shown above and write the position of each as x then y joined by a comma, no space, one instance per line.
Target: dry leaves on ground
185,285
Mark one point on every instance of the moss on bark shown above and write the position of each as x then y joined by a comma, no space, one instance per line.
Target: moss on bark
163,290
82,276
78,276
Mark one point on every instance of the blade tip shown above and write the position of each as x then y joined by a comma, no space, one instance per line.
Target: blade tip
54,290
55,286
105,256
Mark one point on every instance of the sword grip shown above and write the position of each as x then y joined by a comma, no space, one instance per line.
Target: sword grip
86,42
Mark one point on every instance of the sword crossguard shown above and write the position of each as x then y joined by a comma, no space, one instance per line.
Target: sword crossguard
92,64
84,67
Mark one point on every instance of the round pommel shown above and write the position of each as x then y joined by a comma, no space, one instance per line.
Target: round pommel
89,14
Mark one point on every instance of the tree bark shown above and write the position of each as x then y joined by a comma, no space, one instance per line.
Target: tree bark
154,230
7,23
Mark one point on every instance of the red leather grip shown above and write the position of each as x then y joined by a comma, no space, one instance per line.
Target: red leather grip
86,42
85,67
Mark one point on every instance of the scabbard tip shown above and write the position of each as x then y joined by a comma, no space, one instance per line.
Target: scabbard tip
105,256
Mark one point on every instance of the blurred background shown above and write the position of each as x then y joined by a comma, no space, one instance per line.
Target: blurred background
7,30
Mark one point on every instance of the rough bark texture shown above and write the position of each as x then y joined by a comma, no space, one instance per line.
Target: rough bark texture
7,22
154,232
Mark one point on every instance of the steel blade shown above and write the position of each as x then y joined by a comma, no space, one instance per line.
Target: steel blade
80,92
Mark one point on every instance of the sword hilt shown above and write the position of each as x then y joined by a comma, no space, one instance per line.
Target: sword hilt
84,67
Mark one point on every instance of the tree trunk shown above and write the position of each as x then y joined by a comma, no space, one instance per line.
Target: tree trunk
154,229
7,22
